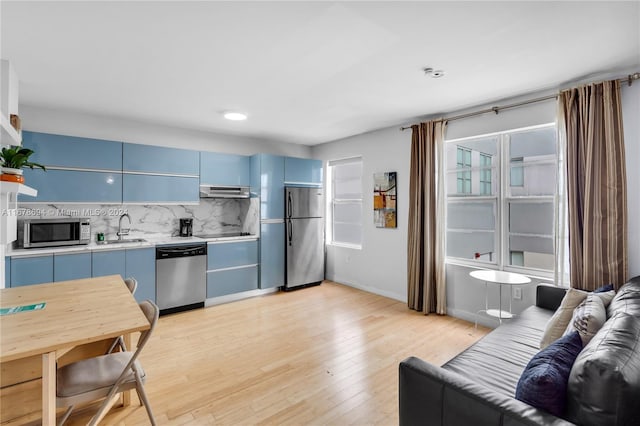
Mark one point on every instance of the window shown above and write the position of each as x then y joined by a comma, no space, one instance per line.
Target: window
485,174
506,222
345,202
463,161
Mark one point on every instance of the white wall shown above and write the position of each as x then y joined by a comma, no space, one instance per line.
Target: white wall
381,265
62,122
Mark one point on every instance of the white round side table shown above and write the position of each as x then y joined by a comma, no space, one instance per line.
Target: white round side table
501,278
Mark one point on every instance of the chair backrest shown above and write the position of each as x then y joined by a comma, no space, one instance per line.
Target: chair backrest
132,284
152,312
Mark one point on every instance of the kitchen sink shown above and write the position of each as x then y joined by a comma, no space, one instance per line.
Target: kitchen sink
128,240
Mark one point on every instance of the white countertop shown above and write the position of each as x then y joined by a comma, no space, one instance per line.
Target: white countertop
151,241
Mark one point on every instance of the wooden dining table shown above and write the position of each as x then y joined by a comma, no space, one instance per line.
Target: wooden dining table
75,313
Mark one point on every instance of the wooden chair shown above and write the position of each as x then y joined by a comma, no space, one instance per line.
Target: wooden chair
106,376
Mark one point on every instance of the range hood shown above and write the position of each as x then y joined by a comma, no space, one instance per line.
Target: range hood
217,191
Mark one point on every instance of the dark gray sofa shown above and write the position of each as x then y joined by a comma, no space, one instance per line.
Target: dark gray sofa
477,387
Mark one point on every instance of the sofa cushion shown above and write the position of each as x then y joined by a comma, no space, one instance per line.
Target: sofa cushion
604,384
604,288
498,359
543,383
627,299
588,318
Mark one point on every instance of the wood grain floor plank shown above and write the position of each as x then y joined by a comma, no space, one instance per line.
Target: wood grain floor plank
325,355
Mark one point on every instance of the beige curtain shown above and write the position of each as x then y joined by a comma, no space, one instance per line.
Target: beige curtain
426,245
596,184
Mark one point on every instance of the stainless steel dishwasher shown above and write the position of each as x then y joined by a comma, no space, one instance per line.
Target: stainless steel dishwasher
181,277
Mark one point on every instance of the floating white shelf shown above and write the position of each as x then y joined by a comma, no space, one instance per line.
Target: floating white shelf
9,135
17,188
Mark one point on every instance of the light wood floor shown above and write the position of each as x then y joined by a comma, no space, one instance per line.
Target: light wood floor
321,355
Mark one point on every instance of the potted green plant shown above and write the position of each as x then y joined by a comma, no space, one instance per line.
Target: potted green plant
12,160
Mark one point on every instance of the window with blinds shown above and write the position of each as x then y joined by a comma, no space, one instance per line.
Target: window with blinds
345,202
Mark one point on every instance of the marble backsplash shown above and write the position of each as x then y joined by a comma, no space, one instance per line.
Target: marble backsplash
210,216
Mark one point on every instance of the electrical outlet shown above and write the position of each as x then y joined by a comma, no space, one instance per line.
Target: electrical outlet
517,293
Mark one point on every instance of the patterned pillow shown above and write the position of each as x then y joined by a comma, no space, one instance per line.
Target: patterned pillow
558,323
588,317
543,383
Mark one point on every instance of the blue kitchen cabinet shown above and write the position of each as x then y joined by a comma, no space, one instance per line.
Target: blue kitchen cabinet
224,169
267,181
158,159
232,254
232,267
70,151
230,281
31,270
7,272
71,266
158,189
108,262
73,186
272,250
141,265
302,172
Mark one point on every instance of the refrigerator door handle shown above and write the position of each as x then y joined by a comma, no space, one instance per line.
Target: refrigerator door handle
290,231
289,212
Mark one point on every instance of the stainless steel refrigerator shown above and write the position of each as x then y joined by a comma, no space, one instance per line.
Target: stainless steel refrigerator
304,236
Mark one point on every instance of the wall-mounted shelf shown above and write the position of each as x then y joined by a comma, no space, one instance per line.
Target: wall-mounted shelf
8,135
9,208
17,188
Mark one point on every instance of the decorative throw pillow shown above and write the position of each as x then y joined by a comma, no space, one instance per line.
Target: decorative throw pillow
558,323
543,383
588,317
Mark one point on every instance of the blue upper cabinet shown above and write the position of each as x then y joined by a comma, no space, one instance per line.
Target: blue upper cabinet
73,186
302,172
73,152
224,169
267,180
159,189
78,169
154,174
160,160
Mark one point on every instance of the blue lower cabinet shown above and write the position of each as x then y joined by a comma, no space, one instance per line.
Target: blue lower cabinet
111,262
7,272
31,270
229,281
158,189
73,186
72,266
141,265
226,255
272,255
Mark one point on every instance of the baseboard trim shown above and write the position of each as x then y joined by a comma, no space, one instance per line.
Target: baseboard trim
238,296
374,290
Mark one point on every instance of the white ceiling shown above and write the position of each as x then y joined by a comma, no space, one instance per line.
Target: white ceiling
305,72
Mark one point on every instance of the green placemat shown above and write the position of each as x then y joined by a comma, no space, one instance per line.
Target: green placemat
24,308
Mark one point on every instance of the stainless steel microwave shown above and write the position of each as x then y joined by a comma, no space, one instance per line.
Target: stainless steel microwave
56,232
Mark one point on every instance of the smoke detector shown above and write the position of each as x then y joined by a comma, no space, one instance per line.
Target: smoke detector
433,73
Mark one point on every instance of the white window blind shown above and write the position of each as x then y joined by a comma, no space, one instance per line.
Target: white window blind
345,202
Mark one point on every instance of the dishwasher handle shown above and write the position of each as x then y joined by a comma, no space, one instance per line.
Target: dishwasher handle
181,251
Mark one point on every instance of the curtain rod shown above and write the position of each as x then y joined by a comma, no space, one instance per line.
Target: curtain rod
630,78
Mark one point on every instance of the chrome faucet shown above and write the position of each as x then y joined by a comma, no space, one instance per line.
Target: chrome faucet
121,231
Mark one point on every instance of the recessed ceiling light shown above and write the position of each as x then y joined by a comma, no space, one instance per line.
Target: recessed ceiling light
235,116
